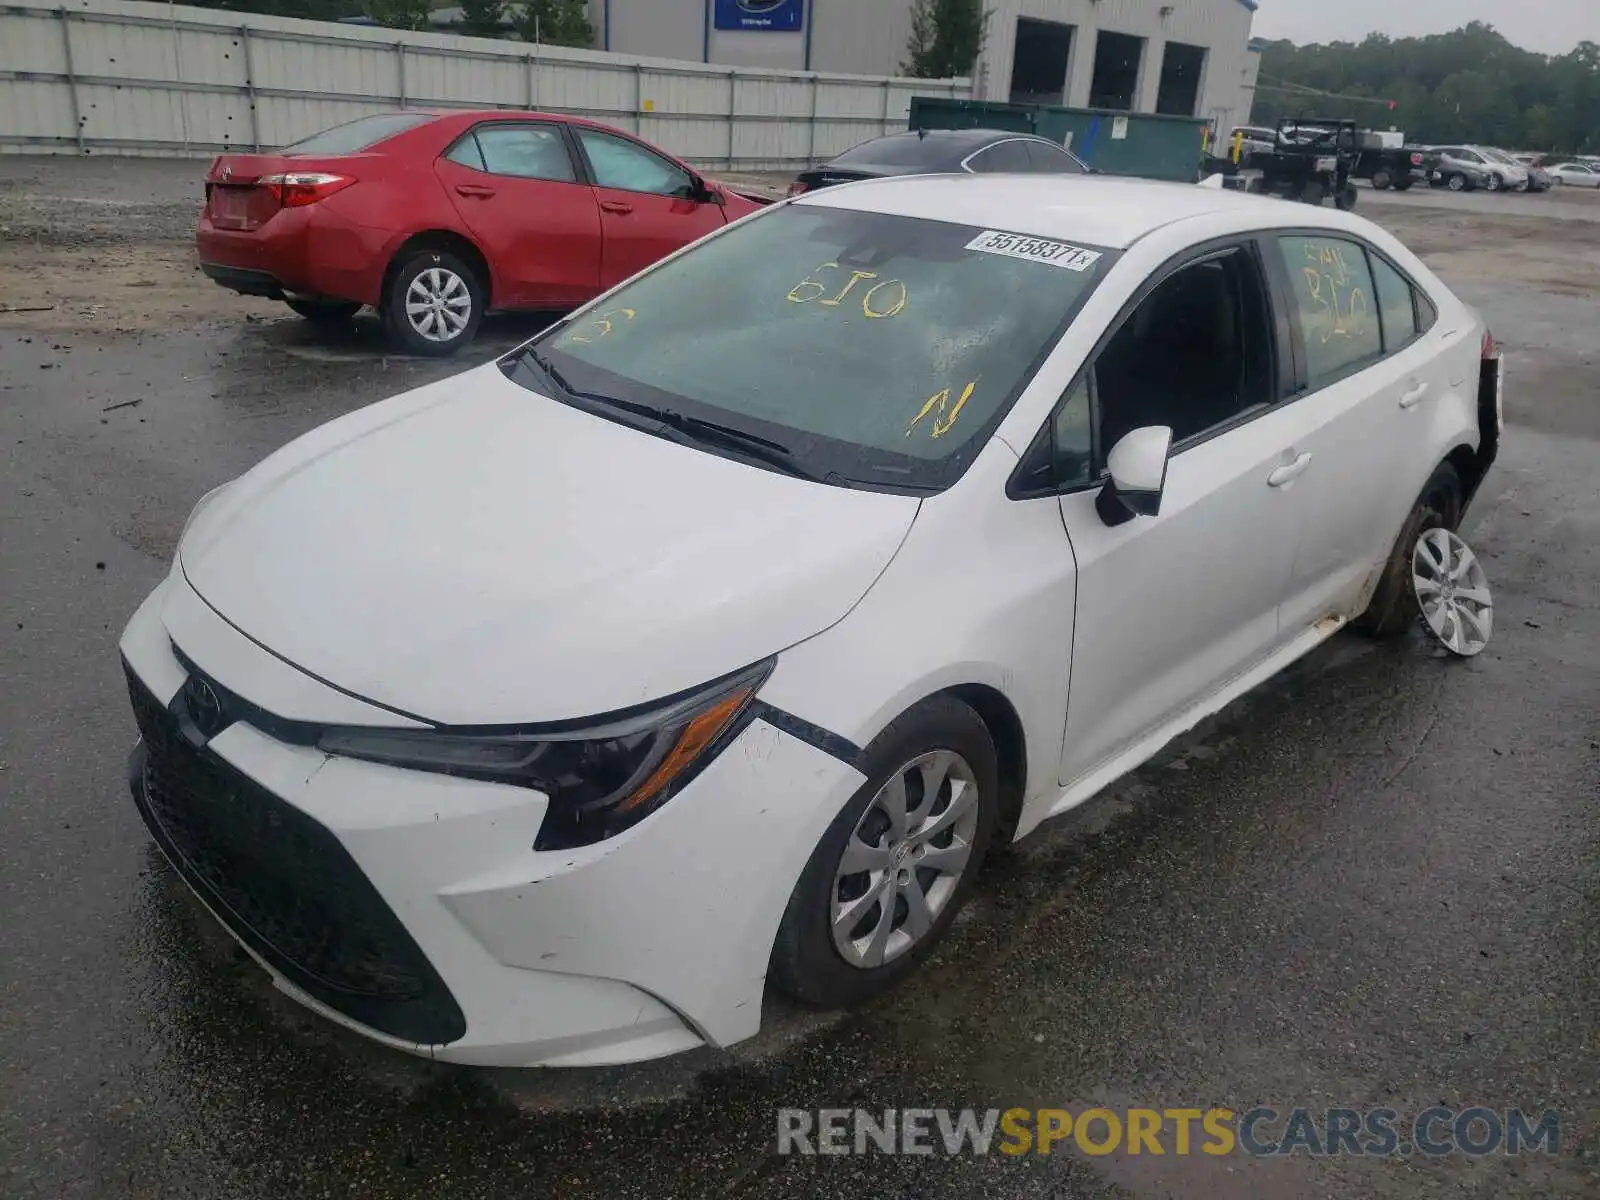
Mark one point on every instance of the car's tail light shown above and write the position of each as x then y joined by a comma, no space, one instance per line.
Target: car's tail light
797,187
1416,160
296,189
1489,348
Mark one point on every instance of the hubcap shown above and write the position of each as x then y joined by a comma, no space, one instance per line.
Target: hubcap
1453,592
438,304
905,859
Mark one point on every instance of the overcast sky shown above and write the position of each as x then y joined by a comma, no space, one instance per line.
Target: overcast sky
1549,26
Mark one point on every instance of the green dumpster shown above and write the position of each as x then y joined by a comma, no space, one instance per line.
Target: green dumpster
1118,143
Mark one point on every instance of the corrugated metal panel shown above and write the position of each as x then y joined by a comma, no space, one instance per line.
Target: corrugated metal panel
177,79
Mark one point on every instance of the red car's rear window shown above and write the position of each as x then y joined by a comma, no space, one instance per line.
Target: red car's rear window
360,134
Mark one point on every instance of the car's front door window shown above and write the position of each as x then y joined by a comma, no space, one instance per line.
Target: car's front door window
1195,354
628,167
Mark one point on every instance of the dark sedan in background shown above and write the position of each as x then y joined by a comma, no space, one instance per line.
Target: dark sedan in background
943,152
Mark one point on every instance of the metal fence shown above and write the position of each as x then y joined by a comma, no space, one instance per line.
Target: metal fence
124,77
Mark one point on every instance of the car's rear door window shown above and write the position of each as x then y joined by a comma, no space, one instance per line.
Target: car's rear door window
525,151
1334,294
1044,158
1397,306
1005,157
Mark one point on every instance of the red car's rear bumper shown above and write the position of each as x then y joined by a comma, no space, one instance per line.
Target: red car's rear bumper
311,251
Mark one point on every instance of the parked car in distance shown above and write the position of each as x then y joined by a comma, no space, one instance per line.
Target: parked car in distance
1575,174
549,713
1536,180
434,218
1464,169
943,151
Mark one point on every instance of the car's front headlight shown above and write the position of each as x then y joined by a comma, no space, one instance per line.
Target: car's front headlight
601,777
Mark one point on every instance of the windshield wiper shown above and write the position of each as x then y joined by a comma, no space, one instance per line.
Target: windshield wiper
687,428
549,368
699,429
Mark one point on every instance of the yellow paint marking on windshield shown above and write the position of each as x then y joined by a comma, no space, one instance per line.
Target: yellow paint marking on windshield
855,278
601,325
886,305
893,309
809,282
938,404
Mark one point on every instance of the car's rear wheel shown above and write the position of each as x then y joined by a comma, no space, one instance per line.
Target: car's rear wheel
890,874
434,303
1312,193
1458,182
1382,180
1346,199
1394,608
1402,185
325,312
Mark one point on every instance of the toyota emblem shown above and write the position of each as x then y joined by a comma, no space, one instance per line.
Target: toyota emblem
204,705
227,174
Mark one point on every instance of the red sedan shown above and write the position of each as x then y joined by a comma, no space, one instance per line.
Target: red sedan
435,217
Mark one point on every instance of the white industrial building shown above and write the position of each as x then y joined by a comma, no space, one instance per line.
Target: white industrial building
1181,57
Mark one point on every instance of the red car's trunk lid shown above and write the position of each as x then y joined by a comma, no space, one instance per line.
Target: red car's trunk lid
233,198
237,199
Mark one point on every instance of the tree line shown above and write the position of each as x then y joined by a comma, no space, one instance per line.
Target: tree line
1470,85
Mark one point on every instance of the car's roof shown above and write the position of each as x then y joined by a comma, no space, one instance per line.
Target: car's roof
1098,210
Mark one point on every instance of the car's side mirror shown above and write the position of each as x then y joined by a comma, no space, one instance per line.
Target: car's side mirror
1137,466
706,193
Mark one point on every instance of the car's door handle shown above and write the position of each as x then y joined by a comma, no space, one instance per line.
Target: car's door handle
1414,397
616,206
1289,472
476,190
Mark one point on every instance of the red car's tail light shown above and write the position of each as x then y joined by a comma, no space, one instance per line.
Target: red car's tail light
295,189
1488,345
796,188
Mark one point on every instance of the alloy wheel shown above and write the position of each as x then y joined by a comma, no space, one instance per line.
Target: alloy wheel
1452,591
438,304
905,859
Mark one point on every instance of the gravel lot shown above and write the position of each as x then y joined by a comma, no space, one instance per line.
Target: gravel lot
1373,883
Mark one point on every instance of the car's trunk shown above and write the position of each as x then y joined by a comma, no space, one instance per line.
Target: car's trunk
821,177
236,197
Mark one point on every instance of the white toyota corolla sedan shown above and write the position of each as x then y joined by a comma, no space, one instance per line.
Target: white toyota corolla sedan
547,714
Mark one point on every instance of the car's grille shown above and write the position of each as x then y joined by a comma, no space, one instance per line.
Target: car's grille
285,885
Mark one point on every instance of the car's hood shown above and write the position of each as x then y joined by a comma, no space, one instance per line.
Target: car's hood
475,553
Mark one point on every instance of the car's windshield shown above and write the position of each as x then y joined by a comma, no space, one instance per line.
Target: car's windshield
877,349
1500,156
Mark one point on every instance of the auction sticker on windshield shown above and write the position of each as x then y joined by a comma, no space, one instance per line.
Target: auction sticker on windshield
1031,249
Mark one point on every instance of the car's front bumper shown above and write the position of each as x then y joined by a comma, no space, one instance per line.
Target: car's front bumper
412,906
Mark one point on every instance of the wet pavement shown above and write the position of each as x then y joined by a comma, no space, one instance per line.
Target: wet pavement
1373,883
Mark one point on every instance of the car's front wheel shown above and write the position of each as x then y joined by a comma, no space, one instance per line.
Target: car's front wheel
1495,183
434,303
895,866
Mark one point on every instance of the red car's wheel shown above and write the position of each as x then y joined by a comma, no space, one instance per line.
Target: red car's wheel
434,303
